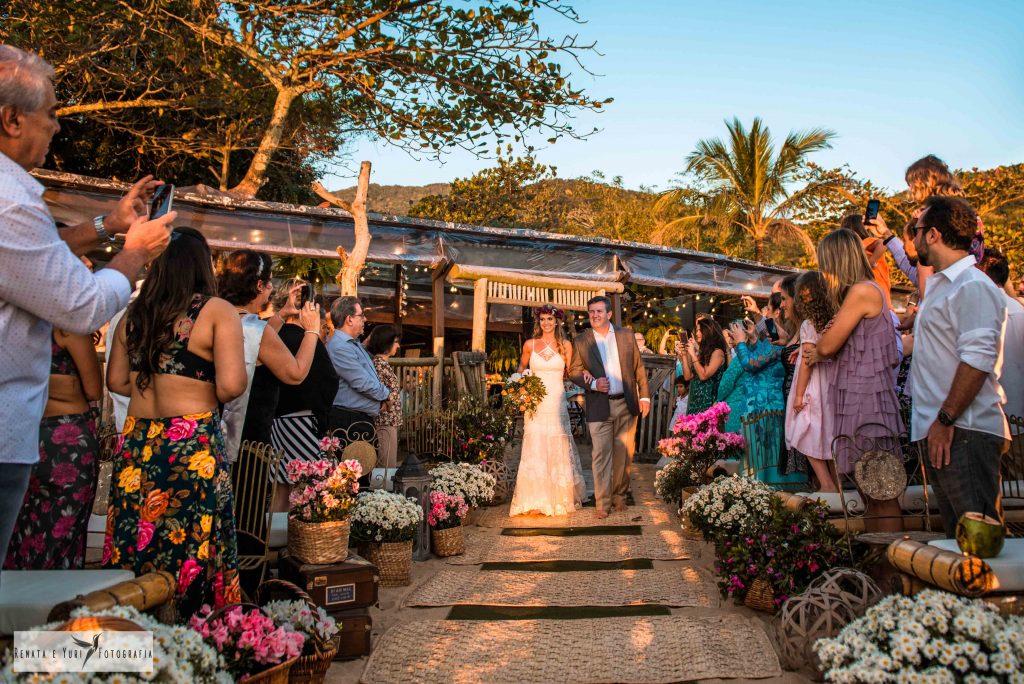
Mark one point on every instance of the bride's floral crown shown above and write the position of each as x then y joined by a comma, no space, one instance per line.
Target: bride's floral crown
550,310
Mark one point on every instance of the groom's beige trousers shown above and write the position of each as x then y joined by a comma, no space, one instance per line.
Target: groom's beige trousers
613,444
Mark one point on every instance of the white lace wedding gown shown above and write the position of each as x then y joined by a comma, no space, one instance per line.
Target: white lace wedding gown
550,479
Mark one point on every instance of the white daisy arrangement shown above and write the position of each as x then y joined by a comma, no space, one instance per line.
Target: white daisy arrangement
180,656
729,506
933,637
465,479
383,516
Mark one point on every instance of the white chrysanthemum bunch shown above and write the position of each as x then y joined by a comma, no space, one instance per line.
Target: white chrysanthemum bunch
382,516
933,637
475,485
729,506
180,656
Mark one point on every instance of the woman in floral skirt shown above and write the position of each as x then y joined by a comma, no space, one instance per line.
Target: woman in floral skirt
178,353
53,523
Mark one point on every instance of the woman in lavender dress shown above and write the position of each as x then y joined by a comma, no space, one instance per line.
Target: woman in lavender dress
862,339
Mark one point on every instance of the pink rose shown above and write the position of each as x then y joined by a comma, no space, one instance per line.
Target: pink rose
146,530
66,433
190,569
62,528
64,474
180,429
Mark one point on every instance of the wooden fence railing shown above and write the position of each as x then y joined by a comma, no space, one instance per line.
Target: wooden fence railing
661,383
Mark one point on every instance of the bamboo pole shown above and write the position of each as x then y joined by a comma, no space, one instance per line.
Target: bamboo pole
479,343
464,272
437,301
963,575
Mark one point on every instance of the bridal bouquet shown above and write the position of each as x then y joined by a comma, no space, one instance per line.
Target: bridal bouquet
524,392
933,637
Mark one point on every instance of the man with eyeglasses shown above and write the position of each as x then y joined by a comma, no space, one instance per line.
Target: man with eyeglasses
956,367
360,391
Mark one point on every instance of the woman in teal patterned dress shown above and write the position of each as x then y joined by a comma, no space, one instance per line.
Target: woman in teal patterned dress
763,378
704,360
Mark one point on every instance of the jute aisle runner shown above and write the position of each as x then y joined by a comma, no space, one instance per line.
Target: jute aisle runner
689,587
634,515
643,650
658,543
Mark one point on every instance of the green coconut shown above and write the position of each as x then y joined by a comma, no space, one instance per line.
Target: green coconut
979,535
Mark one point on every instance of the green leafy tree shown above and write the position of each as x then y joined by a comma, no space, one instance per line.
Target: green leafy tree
748,181
425,75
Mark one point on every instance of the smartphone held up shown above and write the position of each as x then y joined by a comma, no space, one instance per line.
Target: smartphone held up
163,199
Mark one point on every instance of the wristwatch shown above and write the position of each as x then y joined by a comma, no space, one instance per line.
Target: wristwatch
945,418
101,230
886,241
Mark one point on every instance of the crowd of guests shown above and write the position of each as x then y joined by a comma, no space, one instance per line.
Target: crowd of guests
193,368
849,371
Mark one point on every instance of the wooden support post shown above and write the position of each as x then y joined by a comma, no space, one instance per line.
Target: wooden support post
479,343
616,309
437,301
399,283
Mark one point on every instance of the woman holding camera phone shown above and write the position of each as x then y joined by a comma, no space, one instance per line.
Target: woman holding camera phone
704,358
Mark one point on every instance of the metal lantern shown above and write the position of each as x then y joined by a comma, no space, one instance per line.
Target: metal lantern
413,480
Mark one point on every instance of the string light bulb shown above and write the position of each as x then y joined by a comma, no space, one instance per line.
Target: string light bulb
454,289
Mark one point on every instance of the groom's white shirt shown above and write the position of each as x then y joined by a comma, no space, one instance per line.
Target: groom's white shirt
608,348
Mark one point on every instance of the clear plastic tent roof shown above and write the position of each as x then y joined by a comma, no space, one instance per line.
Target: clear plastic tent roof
317,232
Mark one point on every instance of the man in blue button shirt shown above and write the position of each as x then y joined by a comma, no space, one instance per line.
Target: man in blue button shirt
360,391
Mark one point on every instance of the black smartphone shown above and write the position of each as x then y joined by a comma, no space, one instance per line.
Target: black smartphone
305,295
163,198
872,211
773,332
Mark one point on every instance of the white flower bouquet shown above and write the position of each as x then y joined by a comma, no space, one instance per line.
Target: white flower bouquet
729,506
465,479
295,616
382,516
933,637
180,656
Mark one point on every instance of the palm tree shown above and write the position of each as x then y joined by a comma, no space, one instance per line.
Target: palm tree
747,180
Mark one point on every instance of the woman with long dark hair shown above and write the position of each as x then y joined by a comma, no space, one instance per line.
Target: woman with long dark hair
51,530
383,343
704,361
862,339
550,478
244,279
178,354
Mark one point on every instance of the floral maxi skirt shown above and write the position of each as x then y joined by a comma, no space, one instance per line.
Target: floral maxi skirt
171,508
53,522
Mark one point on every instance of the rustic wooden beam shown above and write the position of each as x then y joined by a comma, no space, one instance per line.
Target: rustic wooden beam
501,275
437,302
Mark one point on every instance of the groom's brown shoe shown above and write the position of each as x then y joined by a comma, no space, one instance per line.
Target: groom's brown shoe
600,514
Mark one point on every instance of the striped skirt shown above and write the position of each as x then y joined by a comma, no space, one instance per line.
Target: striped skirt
297,436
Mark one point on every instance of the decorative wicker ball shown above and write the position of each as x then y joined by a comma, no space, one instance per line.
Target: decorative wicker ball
853,586
805,618
502,479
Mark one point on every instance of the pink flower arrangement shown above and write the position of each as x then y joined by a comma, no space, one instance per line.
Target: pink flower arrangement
698,441
323,490
446,510
328,445
249,641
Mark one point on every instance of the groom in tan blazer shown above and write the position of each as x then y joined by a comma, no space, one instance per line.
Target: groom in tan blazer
606,363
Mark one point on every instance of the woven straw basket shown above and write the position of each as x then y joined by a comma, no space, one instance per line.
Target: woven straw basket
318,543
760,596
394,560
275,675
308,669
449,542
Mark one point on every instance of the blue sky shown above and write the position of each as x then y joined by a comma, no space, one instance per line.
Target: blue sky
895,80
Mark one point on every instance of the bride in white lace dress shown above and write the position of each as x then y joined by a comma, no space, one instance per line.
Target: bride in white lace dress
550,479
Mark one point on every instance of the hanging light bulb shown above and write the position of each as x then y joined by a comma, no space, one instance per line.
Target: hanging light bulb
362,279
648,305
454,289
677,308
698,298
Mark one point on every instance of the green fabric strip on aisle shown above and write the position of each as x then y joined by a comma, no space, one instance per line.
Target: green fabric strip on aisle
571,566
520,613
571,531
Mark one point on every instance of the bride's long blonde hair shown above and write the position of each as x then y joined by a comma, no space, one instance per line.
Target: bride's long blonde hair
560,339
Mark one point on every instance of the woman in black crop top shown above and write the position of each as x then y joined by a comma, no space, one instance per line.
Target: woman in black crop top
53,524
178,353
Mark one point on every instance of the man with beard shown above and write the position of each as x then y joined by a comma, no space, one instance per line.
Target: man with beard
956,365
